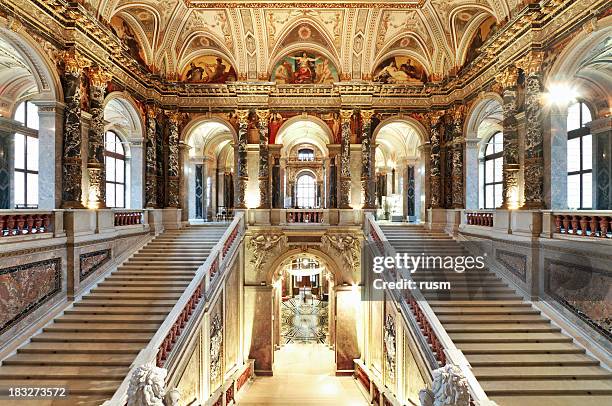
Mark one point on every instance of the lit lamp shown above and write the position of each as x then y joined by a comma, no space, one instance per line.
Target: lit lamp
561,94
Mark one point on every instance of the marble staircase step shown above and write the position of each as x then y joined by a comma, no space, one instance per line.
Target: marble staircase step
75,359
515,339
81,348
530,359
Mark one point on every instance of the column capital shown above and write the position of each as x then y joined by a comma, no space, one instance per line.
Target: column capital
99,76
345,115
74,62
600,125
174,116
243,116
263,116
434,116
507,77
152,111
49,106
531,63
366,115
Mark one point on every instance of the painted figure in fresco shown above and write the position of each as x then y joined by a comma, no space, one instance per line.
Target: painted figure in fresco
276,121
284,73
391,74
215,71
129,38
304,72
323,72
194,74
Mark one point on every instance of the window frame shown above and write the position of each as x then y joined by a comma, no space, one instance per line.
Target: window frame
117,157
313,189
491,157
306,151
580,133
26,132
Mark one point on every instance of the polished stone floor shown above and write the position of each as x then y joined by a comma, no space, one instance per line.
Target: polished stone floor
303,376
304,321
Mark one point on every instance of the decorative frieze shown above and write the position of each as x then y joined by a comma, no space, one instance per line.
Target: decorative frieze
457,157
92,261
98,79
345,156
263,117
216,349
435,165
242,175
390,348
346,246
27,287
534,138
174,119
151,157
71,154
507,78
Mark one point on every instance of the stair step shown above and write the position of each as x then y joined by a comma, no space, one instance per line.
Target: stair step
478,360
88,301
116,297
482,337
89,337
111,282
483,318
537,372
559,387
80,348
115,277
35,360
484,310
59,372
518,348
478,303
102,328
74,387
125,310
138,289
501,328
142,318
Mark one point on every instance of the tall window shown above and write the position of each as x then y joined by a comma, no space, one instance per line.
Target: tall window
306,154
306,191
114,158
26,156
579,157
493,171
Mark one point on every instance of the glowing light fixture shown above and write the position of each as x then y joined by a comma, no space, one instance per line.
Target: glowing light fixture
561,94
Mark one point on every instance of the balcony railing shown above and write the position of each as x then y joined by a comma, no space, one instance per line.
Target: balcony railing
128,217
305,216
589,224
479,218
16,223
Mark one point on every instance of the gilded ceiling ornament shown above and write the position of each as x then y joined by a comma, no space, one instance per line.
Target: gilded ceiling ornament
74,62
531,63
507,77
99,76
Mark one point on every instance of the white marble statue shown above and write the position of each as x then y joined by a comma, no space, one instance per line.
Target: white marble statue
147,386
449,388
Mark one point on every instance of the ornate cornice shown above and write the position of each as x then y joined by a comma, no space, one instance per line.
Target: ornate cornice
531,63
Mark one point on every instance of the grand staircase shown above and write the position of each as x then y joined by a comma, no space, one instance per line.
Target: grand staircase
518,356
89,348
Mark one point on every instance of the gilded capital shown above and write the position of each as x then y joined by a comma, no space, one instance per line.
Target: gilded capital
99,76
366,115
458,112
74,62
263,116
532,62
434,116
507,77
152,111
345,115
174,116
243,116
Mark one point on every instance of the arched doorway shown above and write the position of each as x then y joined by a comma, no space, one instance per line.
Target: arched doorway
400,171
209,168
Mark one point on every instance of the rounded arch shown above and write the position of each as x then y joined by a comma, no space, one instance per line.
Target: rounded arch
334,267
400,52
487,106
149,8
462,44
305,47
389,52
323,136
193,124
419,128
183,59
121,110
43,83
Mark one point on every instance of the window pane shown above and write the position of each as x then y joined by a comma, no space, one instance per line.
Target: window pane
119,195
490,149
110,194
119,147
489,168
32,116
119,168
499,142
32,158
587,188
19,151
573,155
481,183
499,170
110,168
587,152
586,114
32,190
20,113
489,197
573,191
498,196
19,188
573,117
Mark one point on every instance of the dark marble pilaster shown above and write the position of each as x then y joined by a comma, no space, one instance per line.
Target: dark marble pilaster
151,157
263,117
508,79
534,138
345,158
72,172
96,197
242,175
367,167
458,161
7,150
435,167
174,119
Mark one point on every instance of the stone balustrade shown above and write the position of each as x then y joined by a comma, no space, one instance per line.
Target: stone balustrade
479,218
304,216
584,224
16,223
128,218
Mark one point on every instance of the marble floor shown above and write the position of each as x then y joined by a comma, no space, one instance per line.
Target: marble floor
303,376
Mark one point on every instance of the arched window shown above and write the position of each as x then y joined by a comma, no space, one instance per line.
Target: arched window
493,172
114,160
579,157
305,154
26,156
306,191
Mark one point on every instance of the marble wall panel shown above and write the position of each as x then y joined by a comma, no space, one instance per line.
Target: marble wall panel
189,382
347,342
232,317
92,261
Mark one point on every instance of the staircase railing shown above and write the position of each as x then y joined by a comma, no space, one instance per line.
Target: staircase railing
191,304
433,340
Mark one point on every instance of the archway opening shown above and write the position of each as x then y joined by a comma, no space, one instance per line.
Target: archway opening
400,191
209,167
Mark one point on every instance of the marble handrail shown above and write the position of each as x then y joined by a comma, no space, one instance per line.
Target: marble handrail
128,217
479,218
305,216
588,224
24,222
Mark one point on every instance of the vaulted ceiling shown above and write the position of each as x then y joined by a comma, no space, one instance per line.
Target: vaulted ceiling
253,36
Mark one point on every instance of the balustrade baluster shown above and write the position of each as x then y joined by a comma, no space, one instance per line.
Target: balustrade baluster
594,223
574,223
566,223
603,226
558,223
583,225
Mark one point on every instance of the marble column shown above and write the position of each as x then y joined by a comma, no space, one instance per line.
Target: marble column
7,168
72,171
333,175
50,122
96,196
457,156
136,173
276,185
151,157
174,119
534,138
263,117
510,193
345,160
555,157
602,163
435,162
242,175
367,178
471,173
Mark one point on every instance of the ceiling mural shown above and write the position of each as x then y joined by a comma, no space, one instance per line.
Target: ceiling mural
166,35
483,32
304,68
209,69
400,70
